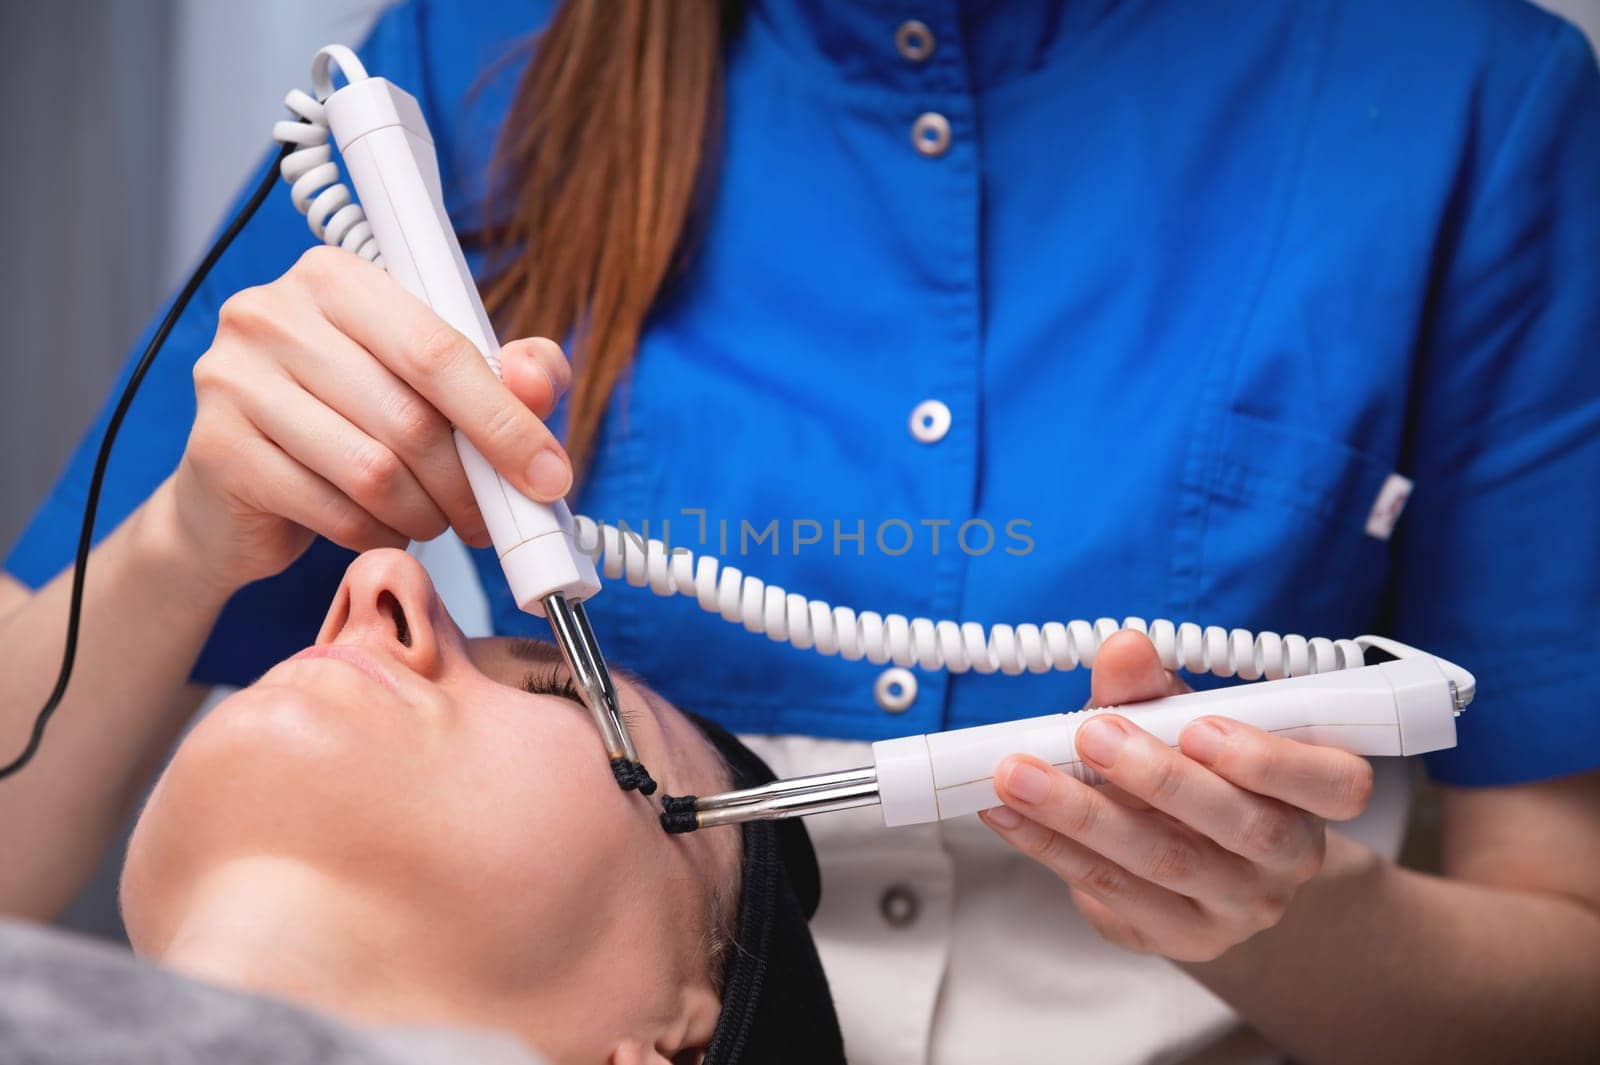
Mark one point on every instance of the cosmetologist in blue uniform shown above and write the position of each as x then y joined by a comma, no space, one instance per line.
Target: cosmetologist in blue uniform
1061,310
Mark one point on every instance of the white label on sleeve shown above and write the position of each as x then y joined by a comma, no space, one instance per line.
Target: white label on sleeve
1387,507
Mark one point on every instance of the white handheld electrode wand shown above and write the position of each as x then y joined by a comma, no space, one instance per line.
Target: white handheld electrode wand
400,222
1404,706
1330,696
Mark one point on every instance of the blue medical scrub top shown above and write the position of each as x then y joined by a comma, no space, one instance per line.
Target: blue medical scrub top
1190,280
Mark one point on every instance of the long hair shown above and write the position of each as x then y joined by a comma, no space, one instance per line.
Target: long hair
602,168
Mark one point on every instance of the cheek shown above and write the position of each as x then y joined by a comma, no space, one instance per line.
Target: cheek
525,791
538,836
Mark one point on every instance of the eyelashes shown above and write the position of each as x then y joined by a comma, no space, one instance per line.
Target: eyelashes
554,680
551,680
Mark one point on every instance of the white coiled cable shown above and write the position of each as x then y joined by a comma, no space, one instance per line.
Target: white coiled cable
787,617
313,175
811,624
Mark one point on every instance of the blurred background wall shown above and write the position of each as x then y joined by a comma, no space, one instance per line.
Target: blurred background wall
1585,13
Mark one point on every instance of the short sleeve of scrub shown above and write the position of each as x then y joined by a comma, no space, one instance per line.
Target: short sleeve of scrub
1505,441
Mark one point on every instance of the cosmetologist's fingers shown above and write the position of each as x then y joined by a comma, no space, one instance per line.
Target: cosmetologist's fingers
536,373
1151,846
1330,783
283,486
1178,924
1128,670
1262,830
443,366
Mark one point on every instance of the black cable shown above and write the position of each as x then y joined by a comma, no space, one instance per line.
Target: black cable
91,506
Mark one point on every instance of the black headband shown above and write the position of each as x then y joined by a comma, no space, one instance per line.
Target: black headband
776,1008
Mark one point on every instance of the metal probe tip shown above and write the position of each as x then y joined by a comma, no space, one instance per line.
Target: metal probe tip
581,652
678,814
782,799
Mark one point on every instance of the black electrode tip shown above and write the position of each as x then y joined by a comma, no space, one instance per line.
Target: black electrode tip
626,774
677,804
632,776
677,822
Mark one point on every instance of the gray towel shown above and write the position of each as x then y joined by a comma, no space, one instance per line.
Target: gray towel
65,1000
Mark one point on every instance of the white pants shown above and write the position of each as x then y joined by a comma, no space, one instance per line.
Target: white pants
944,946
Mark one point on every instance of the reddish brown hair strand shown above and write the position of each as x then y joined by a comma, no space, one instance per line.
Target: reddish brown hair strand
599,174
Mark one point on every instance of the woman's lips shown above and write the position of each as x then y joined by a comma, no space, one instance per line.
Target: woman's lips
351,656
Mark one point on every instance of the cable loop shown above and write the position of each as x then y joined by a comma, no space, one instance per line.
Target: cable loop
314,180
957,647
787,617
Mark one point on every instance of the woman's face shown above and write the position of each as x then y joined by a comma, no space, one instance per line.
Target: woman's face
460,807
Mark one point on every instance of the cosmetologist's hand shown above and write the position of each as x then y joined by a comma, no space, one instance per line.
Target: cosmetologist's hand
324,406
1186,853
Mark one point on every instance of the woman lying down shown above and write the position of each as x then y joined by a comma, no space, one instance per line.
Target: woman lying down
401,826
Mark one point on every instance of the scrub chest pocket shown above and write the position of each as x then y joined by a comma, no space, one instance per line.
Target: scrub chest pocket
1283,511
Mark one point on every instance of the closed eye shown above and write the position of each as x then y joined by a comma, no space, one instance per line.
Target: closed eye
549,675
551,681
554,680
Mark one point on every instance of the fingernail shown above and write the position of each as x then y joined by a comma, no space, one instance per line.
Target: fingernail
549,475
1101,741
1203,741
1003,817
555,365
555,386
1028,783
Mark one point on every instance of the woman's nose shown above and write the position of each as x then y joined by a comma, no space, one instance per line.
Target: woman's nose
387,602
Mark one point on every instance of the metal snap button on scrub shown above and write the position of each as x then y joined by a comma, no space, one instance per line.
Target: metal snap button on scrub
895,690
914,40
930,420
900,906
930,134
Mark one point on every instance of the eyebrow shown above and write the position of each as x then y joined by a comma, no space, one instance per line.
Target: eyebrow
535,652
